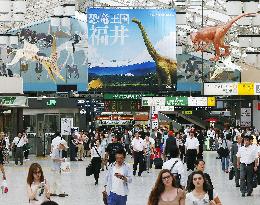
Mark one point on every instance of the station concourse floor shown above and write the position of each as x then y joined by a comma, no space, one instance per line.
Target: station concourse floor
82,191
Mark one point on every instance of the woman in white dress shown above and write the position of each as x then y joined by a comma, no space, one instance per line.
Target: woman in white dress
37,186
198,191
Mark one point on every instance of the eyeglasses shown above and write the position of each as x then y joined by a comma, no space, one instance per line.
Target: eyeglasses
166,177
199,178
39,172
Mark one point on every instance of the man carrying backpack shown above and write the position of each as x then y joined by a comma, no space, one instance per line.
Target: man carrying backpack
176,167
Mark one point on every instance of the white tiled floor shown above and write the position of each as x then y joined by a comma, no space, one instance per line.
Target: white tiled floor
82,191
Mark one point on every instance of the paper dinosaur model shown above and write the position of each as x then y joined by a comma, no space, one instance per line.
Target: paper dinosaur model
215,35
28,52
50,63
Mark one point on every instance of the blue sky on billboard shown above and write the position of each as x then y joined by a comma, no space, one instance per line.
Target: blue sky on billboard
120,33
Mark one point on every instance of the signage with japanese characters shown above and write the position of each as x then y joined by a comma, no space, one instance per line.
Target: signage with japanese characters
125,46
125,96
244,88
177,101
245,117
14,101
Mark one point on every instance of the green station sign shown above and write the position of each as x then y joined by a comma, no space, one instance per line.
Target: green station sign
13,101
124,96
176,101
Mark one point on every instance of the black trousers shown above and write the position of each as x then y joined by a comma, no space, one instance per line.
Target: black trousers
96,162
127,148
200,154
138,159
182,152
246,177
191,157
18,154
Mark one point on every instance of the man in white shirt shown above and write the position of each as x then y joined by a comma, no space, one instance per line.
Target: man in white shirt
176,167
247,162
17,145
55,142
138,146
211,135
192,150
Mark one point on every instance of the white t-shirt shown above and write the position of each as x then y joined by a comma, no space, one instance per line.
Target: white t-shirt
19,142
118,184
192,143
56,141
192,200
138,144
178,168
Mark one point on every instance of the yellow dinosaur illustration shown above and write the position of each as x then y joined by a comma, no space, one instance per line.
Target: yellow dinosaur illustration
95,84
50,63
166,68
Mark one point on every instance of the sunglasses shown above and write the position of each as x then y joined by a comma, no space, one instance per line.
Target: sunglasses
166,177
199,178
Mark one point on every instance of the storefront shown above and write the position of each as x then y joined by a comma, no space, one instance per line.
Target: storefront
11,114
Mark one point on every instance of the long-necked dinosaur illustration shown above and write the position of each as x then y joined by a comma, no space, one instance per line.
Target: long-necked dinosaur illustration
215,35
166,68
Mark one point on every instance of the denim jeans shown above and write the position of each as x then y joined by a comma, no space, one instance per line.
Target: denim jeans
225,163
114,199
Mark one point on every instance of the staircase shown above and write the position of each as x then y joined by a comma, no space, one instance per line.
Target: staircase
192,119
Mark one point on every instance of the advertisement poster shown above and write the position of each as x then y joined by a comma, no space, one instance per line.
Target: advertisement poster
132,48
48,55
245,119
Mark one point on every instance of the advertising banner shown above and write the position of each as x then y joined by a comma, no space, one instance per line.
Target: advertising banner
245,118
220,88
132,48
66,125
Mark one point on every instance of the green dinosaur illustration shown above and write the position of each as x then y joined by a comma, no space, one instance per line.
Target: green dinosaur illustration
166,68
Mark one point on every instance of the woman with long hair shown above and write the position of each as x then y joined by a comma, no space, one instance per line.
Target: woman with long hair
96,153
37,186
198,189
165,191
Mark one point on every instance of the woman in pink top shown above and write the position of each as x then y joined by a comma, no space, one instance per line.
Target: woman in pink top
165,191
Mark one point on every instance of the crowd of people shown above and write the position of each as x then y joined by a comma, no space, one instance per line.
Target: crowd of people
176,184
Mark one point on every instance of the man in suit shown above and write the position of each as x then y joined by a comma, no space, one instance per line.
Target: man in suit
234,150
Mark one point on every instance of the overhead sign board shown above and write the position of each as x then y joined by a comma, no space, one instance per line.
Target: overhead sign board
124,96
179,101
153,101
244,88
220,88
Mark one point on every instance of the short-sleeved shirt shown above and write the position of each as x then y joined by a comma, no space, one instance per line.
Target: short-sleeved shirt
192,143
56,154
247,154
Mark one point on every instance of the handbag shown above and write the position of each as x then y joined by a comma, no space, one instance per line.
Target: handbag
89,170
105,196
223,152
231,173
